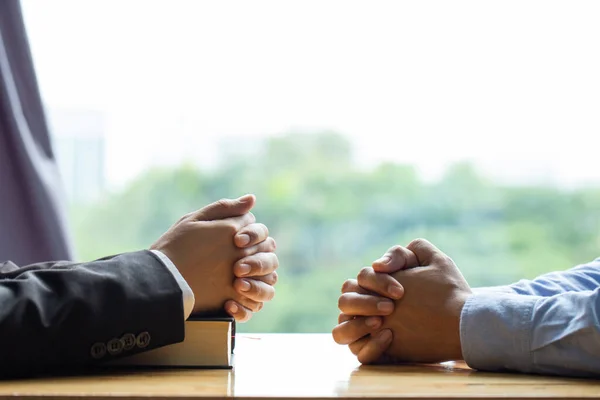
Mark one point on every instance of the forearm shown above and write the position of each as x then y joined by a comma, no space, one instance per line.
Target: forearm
52,316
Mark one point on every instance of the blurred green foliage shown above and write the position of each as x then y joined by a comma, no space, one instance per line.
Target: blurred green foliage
330,218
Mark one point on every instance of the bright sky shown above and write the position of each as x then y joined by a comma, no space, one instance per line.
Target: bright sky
513,85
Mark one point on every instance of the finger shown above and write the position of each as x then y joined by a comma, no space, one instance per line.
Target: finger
352,330
269,279
426,252
374,348
395,259
239,313
357,346
267,246
344,317
251,235
254,289
380,283
225,208
239,222
351,285
254,306
259,264
364,304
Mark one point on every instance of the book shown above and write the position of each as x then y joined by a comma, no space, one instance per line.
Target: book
208,343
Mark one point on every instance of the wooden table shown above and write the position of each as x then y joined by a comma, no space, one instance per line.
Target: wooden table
302,366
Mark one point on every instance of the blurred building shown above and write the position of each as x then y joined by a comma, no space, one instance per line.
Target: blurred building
78,138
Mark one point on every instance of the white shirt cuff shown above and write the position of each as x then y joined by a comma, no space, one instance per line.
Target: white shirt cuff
188,296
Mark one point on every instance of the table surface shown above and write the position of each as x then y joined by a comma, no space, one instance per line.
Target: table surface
285,366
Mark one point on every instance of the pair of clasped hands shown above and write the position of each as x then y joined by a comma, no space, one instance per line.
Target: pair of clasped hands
404,308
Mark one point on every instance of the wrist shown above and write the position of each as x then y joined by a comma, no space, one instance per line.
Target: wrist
186,290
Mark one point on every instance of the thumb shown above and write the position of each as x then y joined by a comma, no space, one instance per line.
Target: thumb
226,208
395,259
426,253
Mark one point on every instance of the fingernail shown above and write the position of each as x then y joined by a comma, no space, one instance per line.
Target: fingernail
373,322
384,336
243,239
243,269
395,291
383,260
245,286
385,306
233,308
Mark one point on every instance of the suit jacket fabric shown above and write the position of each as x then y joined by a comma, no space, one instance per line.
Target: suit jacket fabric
60,315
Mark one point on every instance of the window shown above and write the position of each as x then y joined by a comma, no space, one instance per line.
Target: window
358,125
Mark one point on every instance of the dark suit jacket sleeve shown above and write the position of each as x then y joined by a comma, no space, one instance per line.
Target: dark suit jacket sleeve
57,315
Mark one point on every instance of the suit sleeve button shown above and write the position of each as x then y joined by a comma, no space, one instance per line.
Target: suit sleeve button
114,347
128,341
143,340
98,350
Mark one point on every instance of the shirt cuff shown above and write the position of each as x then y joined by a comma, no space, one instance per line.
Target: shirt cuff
188,296
495,331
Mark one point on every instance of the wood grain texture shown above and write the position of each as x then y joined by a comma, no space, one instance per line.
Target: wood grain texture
290,366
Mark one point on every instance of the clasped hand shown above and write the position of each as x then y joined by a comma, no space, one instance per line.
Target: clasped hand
404,308
227,259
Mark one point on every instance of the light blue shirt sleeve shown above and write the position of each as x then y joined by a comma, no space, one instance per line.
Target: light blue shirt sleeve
549,325
580,278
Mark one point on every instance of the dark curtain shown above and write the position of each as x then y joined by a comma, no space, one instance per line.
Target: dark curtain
32,218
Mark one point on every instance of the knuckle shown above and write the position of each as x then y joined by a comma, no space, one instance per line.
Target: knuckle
259,266
246,317
255,306
223,203
348,285
243,315
446,261
249,219
261,230
230,227
397,250
417,243
275,261
270,244
258,290
263,247
345,285
364,274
